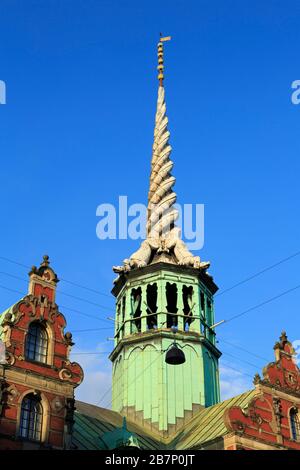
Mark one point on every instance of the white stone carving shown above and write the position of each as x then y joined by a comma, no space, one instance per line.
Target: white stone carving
162,235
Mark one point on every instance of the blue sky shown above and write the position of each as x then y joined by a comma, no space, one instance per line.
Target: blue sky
77,132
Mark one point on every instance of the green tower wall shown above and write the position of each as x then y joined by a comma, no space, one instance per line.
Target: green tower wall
145,387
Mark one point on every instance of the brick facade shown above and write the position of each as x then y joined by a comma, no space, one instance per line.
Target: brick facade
51,381
271,419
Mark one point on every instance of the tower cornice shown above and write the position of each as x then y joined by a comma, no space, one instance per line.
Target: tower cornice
152,335
202,276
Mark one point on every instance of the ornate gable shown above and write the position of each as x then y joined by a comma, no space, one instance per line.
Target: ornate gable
267,417
43,371
284,372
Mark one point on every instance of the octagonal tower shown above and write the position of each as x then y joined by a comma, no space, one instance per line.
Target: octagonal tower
163,294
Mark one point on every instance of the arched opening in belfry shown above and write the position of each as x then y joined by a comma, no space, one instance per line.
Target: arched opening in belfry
171,295
187,298
118,323
202,313
209,313
151,306
123,315
209,319
136,299
123,308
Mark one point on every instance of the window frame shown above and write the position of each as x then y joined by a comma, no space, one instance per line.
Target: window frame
31,418
36,342
294,422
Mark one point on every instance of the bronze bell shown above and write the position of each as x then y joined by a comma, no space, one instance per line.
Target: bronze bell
175,355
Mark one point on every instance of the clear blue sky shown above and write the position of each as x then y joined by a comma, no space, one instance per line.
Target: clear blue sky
77,131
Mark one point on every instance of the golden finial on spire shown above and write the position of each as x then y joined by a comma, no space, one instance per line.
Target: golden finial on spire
160,54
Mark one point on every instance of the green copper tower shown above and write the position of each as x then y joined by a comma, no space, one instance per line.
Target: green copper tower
163,293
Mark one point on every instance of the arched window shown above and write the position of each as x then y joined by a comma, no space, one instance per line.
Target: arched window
36,343
295,424
31,418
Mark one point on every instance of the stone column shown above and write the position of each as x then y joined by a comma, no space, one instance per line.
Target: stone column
196,310
128,314
132,327
161,304
117,322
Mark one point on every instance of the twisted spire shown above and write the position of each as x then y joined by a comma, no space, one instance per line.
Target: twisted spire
163,238
161,197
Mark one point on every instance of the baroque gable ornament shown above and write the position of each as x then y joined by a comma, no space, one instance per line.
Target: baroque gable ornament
57,404
284,372
44,272
6,329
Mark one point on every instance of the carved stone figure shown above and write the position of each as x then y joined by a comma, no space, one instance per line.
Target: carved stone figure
6,329
69,342
69,419
141,257
277,411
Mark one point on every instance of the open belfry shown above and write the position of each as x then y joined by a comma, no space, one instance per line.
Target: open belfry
165,363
